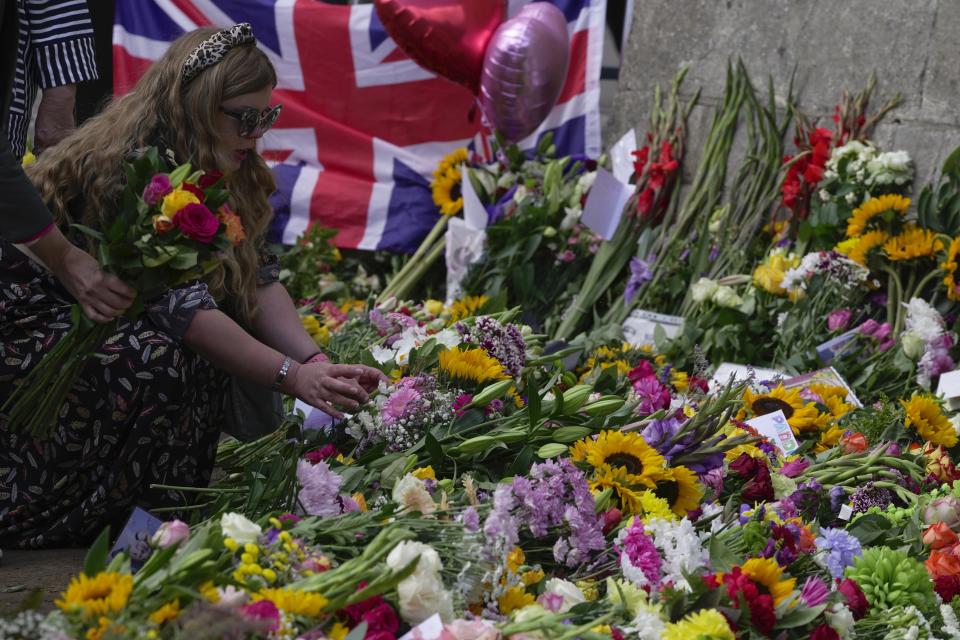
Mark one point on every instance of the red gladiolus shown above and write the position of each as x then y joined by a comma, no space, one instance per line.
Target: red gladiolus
856,599
824,632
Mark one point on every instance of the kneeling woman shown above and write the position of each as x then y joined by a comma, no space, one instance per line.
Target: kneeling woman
148,410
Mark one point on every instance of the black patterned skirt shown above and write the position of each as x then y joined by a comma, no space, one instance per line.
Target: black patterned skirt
146,412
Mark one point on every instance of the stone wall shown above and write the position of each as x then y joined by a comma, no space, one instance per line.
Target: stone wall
913,46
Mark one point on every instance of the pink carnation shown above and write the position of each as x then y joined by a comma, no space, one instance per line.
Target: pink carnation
396,405
158,187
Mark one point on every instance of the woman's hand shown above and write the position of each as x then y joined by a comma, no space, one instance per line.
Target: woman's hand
324,385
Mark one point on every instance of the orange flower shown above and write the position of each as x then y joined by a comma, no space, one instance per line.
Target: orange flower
162,224
939,535
942,562
854,443
235,231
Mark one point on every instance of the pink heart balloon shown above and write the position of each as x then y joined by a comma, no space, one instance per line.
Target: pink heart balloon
448,37
524,70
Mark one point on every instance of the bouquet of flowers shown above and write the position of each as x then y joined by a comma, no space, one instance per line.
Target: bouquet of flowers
171,228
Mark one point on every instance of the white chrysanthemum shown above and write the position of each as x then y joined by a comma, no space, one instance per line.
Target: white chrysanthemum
681,548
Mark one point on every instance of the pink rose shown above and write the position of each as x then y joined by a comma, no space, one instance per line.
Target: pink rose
171,533
158,187
197,222
839,319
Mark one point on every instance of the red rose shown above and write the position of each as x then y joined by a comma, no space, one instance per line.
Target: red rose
824,632
209,179
947,587
856,600
194,189
760,487
762,616
197,222
382,619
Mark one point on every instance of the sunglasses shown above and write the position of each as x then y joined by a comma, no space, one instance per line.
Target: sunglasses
254,123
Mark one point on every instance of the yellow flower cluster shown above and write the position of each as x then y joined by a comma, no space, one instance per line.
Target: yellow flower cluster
447,180
260,567
296,602
949,268
769,274
319,332
912,243
466,307
926,418
105,593
638,474
471,365
706,624
885,207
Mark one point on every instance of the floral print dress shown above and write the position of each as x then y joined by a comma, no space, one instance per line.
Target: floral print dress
146,411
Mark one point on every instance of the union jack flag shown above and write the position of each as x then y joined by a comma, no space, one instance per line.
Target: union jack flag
363,126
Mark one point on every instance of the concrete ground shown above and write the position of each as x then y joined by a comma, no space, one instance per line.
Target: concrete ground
49,570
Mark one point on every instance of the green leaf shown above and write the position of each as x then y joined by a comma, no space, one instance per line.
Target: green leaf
434,450
359,632
96,560
184,260
178,175
869,528
393,472
721,557
800,616
952,163
522,462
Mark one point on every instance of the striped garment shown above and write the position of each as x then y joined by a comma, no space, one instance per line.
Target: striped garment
55,49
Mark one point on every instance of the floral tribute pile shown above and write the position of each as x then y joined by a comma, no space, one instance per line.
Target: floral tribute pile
529,474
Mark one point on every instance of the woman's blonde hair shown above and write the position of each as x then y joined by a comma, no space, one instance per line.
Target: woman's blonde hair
86,167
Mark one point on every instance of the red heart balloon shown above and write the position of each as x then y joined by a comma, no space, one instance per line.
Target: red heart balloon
448,37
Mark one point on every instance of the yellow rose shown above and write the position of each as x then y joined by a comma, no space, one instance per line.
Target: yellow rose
176,200
433,307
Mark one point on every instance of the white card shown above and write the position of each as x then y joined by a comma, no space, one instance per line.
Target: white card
621,156
604,208
429,629
474,213
740,373
465,246
639,327
775,428
949,389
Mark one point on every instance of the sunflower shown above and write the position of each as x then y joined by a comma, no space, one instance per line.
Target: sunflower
447,194
872,208
858,249
766,572
619,450
452,160
924,415
107,592
681,489
834,398
801,415
296,602
513,599
829,439
913,242
473,365
629,493
949,267
466,307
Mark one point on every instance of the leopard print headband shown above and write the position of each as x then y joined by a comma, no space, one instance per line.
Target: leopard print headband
213,49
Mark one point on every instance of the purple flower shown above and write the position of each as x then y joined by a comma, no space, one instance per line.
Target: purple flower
158,187
320,490
460,404
503,342
868,328
470,519
795,467
870,495
883,332
840,547
839,319
552,602
653,395
814,592
640,274
500,529
659,434
714,252
879,299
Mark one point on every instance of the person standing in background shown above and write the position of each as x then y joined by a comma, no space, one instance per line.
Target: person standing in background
55,52
25,220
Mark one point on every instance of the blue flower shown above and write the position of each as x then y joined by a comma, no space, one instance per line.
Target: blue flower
640,274
841,548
